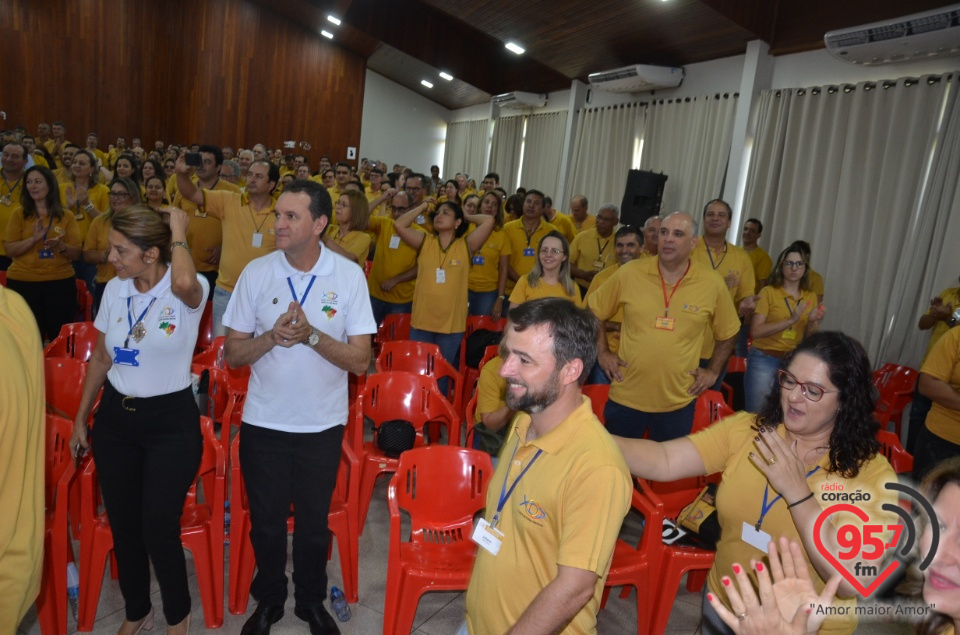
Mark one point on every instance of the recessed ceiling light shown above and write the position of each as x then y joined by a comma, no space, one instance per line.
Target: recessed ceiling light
327,34
426,83
446,76
514,48
333,19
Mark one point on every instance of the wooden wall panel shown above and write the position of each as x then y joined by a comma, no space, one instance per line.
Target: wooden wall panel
229,72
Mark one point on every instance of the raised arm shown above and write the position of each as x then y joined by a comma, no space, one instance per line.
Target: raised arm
187,187
661,461
183,273
407,234
478,236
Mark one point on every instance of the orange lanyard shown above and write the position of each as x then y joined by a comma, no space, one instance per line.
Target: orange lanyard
663,283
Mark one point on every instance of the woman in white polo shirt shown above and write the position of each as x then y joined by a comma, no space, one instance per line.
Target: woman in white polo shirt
147,444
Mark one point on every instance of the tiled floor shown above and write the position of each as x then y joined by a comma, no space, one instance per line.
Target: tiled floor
438,613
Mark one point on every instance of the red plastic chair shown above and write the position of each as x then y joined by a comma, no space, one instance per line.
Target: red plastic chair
394,395
711,407
598,393
64,378
201,529
58,474
227,389
423,359
472,375
900,459
441,488
205,335
77,339
84,302
3,278
895,384
734,365
475,323
342,522
395,327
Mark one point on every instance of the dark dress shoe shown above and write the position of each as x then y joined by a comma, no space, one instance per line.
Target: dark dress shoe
262,619
321,622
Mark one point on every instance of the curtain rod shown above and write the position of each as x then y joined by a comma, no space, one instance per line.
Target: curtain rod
929,80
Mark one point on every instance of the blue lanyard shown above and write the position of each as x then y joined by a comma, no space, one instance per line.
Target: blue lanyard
126,342
504,493
766,494
305,293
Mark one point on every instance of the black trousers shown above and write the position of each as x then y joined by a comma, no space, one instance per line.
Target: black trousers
54,303
932,450
146,460
280,468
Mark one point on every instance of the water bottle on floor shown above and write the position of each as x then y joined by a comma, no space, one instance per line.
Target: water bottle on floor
339,604
73,588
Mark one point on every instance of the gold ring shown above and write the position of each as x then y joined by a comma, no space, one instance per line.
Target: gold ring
771,460
742,616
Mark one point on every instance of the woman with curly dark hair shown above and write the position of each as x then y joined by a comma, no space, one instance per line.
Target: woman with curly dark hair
812,445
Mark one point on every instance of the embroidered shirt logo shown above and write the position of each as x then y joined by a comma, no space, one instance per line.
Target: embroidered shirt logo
532,509
330,311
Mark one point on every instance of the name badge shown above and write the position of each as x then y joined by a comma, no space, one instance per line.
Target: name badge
529,251
441,276
126,356
200,213
488,537
598,264
756,538
665,323
46,254
394,242
478,260
78,216
257,239
671,533
789,334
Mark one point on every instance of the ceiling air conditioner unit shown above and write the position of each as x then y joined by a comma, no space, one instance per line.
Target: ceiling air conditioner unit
520,99
914,37
637,78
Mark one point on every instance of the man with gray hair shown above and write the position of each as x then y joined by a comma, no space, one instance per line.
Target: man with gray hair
651,236
593,250
668,302
244,160
230,171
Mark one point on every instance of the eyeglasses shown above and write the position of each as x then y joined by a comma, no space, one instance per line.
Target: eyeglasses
400,209
813,392
794,264
119,194
551,250
606,219
413,188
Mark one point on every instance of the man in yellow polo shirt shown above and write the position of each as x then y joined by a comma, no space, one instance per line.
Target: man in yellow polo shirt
560,491
668,303
524,236
12,163
246,221
729,261
342,174
562,222
651,236
592,250
762,266
939,382
394,272
582,218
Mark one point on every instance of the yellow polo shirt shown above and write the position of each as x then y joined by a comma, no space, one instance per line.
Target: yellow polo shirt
491,389
592,252
523,292
613,337
728,259
943,363
948,296
773,304
30,267
99,195
588,223
523,246
441,307
565,224
816,282
659,361
239,223
204,233
355,242
762,266
97,238
9,202
485,272
391,258
566,510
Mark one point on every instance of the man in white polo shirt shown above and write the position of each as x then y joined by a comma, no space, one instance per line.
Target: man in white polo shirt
301,318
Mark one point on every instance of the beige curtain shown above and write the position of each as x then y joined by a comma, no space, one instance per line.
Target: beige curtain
505,152
542,153
848,169
466,148
605,150
689,141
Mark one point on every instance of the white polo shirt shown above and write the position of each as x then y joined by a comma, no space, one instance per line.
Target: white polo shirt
166,351
295,389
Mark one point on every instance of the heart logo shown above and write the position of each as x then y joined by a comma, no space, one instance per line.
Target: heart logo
818,541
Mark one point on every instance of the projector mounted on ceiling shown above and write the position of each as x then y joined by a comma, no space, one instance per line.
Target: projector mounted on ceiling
520,99
920,36
637,78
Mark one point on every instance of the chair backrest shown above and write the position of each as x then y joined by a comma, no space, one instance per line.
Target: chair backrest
205,335
213,465
442,488
400,395
58,465
77,339
710,408
212,355
421,358
64,377
598,393
899,458
395,326
893,379
84,301
737,364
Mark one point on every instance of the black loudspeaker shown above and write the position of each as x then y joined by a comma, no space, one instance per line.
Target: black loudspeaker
642,197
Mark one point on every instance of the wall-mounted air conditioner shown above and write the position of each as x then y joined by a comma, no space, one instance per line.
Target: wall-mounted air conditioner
637,78
914,37
520,99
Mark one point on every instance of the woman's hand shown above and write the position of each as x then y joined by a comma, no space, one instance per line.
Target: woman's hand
817,314
39,231
797,312
179,221
785,606
497,309
781,464
71,195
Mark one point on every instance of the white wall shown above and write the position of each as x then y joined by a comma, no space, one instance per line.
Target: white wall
401,126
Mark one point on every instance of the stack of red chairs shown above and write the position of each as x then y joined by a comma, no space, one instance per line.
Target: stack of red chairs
895,384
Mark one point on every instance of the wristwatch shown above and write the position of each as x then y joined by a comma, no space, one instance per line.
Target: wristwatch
314,338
